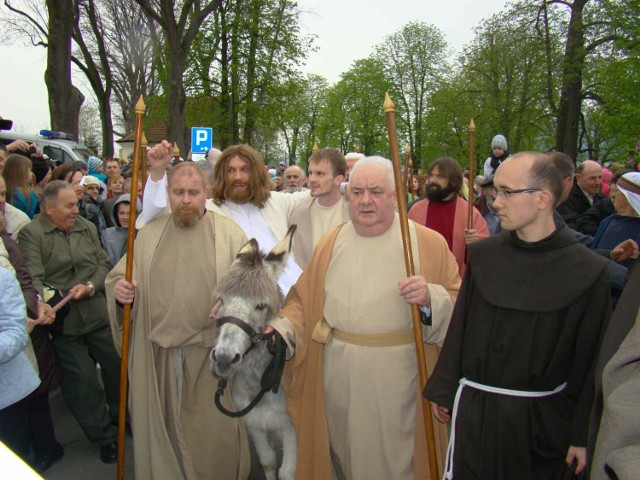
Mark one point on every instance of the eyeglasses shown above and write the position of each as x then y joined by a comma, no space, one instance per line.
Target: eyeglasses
507,193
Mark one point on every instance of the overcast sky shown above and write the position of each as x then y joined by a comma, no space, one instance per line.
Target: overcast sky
346,30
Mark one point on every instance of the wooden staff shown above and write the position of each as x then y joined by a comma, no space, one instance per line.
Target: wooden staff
131,235
472,143
176,154
389,110
405,171
413,195
143,160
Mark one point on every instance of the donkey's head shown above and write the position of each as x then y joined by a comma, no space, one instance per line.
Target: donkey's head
250,295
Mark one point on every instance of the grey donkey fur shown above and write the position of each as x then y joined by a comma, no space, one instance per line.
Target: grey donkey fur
251,293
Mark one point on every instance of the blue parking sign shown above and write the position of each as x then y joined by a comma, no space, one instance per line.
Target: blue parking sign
201,139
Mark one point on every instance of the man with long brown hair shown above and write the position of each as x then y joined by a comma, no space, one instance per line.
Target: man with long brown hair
446,212
241,191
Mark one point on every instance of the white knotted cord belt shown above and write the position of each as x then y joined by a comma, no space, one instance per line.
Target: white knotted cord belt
448,470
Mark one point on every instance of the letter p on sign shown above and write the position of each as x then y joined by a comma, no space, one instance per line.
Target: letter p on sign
201,139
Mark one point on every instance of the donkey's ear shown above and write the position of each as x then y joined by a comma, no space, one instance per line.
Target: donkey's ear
249,248
277,257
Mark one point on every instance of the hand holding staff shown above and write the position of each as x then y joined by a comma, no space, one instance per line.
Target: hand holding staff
124,361
389,110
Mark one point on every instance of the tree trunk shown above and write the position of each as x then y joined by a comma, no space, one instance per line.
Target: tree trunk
64,99
177,101
570,103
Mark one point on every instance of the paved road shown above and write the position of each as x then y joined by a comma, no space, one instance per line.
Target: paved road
81,460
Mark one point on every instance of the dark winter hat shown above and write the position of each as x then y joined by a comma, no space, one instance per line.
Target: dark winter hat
499,142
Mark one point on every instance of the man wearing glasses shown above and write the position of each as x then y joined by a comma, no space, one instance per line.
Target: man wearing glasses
515,375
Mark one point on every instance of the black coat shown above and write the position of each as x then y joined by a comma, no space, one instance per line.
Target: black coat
576,204
589,221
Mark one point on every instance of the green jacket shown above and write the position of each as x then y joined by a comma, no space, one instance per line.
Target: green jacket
62,260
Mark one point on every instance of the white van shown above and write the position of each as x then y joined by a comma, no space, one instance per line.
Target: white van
58,146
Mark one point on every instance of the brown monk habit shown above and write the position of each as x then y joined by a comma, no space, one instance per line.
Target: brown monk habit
529,317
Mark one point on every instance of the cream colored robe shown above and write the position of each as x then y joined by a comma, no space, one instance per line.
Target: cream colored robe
304,376
211,444
308,219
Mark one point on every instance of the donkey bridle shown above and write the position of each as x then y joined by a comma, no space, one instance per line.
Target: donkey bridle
273,372
255,336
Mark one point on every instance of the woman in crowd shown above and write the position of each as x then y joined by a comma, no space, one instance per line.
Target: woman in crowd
625,223
17,176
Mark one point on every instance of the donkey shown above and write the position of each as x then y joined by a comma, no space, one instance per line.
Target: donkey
250,296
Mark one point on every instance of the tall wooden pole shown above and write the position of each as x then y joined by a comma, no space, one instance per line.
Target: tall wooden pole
143,160
389,111
126,320
176,154
472,162
405,172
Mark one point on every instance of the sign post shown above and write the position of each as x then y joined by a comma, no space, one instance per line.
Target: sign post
201,142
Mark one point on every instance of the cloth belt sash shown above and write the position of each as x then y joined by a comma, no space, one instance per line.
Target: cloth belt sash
323,332
448,470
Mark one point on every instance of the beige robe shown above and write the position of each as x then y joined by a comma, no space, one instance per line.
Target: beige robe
313,222
314,391
177,431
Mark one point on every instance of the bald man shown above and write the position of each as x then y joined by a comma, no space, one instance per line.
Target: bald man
294,179
585,192
515,374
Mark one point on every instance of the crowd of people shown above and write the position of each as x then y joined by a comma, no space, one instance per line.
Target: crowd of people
528,367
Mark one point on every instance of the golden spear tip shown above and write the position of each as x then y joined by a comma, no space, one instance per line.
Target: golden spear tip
315,148
357,148
176,150
140,106
143,141
388,104
407,150
472,126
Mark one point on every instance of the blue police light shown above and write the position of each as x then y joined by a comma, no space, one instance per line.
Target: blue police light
57,135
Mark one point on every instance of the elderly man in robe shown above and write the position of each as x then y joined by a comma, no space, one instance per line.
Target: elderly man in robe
354,383
178,259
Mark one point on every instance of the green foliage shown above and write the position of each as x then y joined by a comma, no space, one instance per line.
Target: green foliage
415,63
245,49
501,80
353,115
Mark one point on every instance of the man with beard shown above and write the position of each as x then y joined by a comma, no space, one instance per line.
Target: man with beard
294,179
177,432
241,191
327,207
446,212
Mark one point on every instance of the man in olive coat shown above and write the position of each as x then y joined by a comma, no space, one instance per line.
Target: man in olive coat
64,255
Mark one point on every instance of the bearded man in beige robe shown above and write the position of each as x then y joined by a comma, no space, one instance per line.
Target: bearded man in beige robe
177,431
352,383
